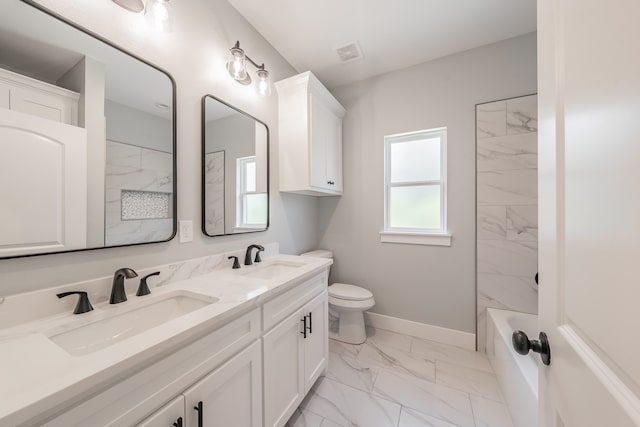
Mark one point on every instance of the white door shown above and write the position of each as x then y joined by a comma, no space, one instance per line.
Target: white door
283,366
316,342
320,135
589,211
230,395
43,185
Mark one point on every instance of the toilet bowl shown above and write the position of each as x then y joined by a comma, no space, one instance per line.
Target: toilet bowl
347,304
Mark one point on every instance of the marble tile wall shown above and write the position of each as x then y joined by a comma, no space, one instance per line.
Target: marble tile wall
129,167
214,187
507,207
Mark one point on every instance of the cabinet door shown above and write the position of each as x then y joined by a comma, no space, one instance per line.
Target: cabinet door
319,132
316,345
230,395
42,104
170,415
333,156
283,376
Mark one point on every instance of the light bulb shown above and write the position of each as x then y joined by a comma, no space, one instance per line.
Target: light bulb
263,86
236,65
159,15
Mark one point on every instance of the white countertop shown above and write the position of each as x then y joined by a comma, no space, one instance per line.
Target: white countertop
38,376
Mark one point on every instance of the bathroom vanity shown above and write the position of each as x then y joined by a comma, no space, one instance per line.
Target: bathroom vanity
208,350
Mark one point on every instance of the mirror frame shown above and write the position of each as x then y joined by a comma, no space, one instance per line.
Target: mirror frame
90,33
203,169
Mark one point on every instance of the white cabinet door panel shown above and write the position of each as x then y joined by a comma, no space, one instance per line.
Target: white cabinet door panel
48,162
231,395
316,344
283,376
167,415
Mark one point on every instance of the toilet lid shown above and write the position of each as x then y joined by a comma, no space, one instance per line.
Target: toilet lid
349,292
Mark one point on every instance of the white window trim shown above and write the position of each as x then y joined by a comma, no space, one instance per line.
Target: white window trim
240,193
437,237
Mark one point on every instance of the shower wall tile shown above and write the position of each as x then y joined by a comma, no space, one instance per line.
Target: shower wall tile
492,222
503,153
507,198
214,185
511,258
516,187
508,292
491,119
129,167
522,223
522,115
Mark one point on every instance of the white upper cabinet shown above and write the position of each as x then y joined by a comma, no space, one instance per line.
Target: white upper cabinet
310,144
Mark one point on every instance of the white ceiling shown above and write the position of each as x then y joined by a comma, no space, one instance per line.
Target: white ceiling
393,34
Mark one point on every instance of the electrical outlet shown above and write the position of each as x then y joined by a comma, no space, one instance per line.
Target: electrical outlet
186,231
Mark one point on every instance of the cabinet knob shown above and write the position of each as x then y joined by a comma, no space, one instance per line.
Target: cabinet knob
331,182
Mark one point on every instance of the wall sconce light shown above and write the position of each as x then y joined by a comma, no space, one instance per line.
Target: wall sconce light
156,12
237,68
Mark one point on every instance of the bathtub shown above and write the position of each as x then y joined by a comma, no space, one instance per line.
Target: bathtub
517,375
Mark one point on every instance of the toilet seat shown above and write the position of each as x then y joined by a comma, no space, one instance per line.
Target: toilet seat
343,291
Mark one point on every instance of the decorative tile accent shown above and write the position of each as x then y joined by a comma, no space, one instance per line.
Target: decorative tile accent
522,223
138,205
522,114
491,119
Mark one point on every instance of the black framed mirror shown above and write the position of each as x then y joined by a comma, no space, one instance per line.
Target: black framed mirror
235,170
87,139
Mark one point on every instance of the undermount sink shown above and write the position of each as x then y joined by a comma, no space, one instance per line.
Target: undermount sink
272,269
142,316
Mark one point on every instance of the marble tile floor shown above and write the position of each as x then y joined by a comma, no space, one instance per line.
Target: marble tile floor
400,381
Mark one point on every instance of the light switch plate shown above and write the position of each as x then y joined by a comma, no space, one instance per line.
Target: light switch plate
186,231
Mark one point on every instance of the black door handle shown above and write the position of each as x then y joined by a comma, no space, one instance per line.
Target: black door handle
310,330
304,327
178,422
200,411
522,344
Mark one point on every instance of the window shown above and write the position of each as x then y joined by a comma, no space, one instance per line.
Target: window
415,188
251,205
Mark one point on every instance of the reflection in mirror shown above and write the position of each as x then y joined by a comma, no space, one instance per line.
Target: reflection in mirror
235,170
87,139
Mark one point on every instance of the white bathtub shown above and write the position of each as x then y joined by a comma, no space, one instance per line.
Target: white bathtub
517,375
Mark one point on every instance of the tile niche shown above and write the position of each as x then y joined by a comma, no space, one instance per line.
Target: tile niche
507,207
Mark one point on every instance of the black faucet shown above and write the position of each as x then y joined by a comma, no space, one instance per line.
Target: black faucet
118,294
83,305
247,255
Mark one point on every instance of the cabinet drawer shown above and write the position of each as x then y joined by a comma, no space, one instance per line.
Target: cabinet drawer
144,391
283,305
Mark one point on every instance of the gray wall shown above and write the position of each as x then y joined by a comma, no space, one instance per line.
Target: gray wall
135,127
427,284
209,28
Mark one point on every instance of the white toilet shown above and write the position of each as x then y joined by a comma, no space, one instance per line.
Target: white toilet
347,304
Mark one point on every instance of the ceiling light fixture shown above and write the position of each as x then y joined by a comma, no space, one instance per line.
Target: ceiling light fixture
237,68
156,12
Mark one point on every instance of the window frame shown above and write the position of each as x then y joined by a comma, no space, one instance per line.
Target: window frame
414,235
241,205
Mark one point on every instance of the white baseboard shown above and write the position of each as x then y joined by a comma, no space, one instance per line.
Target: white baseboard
421,330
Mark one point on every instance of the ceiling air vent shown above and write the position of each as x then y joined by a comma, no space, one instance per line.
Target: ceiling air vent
350,52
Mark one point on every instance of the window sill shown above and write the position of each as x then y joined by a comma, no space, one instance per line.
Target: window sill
433,239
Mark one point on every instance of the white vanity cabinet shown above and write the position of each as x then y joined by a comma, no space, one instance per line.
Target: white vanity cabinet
295,350
310,143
